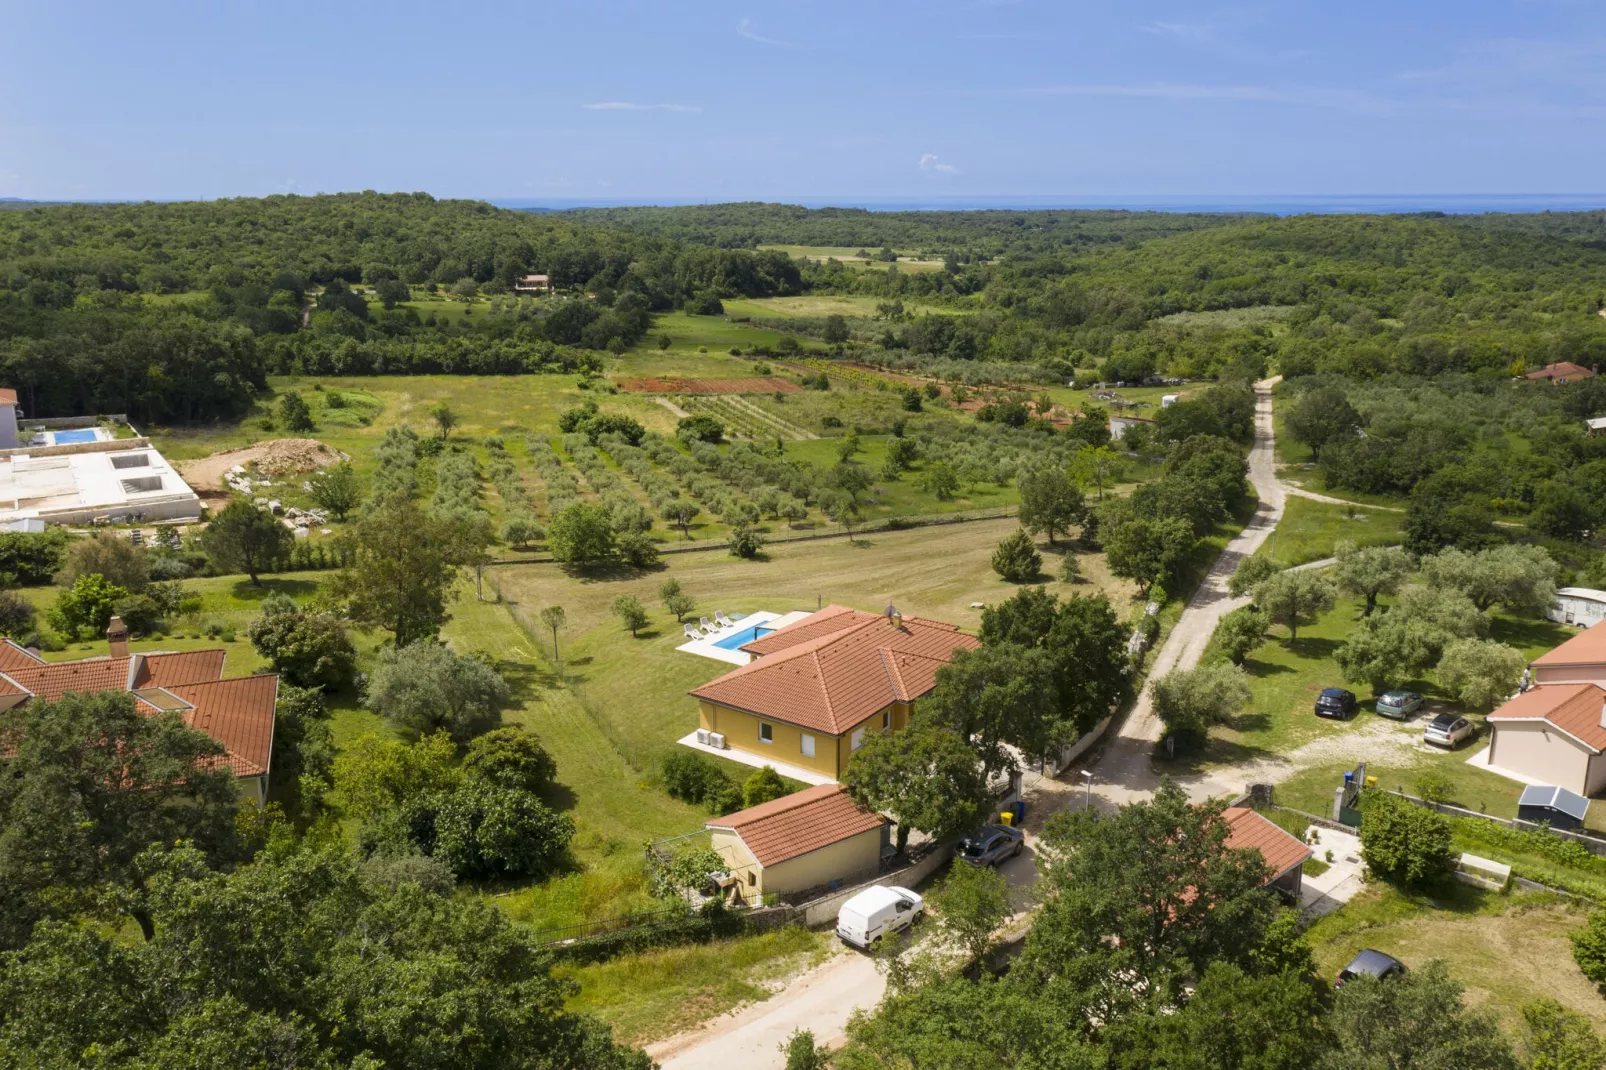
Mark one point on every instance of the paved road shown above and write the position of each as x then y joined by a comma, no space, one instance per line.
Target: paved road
823,999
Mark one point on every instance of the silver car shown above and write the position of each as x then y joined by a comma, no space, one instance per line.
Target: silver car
1398,705
1448,729
991,844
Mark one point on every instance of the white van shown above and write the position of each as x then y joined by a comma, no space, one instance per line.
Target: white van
875,912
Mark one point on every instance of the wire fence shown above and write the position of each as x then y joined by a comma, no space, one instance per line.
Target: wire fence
830,531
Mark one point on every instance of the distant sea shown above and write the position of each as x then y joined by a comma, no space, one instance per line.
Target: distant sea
1292,204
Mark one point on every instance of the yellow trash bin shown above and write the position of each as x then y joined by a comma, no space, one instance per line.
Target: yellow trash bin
1006,817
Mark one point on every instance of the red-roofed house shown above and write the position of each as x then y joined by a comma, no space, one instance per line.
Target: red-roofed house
805,840
821,686
238,713
1564,371
1283,852
1555,732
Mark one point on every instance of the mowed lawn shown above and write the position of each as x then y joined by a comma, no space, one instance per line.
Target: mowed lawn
1311,530
1507,951
1279,724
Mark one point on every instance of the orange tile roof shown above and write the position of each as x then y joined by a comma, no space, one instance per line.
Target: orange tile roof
828,621
55,679
7,396
799,823
835,680
1571,708
237,713
13,656
1588,647
1561,369
1248,829
180,667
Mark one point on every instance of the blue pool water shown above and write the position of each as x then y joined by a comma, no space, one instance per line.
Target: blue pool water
87,434
745,635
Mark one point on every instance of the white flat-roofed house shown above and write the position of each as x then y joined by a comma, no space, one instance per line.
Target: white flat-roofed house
86,482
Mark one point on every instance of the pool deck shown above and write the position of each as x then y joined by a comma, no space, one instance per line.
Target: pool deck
707,647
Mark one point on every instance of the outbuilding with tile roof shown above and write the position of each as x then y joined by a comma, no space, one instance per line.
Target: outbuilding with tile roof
1283,852
813,838
823,685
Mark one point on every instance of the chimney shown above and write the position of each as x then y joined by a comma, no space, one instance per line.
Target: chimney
117,638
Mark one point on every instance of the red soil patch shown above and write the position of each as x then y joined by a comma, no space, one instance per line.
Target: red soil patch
766,385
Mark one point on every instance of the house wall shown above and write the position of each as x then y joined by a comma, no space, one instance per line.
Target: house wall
1538,750
853,857
8,427
743,866
1596,779
1570,674
254,788
872,727
741,732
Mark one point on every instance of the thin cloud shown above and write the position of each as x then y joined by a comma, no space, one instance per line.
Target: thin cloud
626,105
745,29
1338,99
930,162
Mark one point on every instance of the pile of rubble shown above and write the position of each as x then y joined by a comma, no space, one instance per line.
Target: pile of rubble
299,521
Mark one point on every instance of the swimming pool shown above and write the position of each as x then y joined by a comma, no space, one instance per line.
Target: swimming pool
745,635
62,438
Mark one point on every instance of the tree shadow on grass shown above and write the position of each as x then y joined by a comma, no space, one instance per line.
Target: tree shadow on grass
1248,722
1522,631
558,796
526,681
608,571
243,591
1200,762
1312,648
1257,668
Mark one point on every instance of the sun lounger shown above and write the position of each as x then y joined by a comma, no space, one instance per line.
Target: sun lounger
724,621
692,632
702,622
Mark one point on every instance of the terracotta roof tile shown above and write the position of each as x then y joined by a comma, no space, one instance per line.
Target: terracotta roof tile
843,675
1281,850
1588,647
828,621
1561,369
1573,708
8,396
799,823
180,667
13,656
238,714
55,679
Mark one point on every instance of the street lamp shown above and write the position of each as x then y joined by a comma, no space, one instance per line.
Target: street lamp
1089,778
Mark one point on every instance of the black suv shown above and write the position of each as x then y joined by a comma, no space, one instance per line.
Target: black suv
1335,702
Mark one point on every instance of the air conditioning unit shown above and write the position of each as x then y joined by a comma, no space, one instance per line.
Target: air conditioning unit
716,740
702,736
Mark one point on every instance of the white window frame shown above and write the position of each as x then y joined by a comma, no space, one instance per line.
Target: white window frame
886,719
806,744
856,740
766,732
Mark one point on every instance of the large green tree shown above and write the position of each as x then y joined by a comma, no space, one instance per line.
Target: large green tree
404,564
1050,502
928,778
86,784
243,538
1414,1022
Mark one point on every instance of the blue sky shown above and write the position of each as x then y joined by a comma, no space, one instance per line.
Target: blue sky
852,101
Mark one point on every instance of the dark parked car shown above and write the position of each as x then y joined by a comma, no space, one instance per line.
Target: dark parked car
1335,702
1371,964
990,845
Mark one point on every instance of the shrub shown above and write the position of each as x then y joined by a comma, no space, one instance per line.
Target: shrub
510,757
89,604
294,414
763,786
480,831
1405,844
638,550
108,555
745,541
1240,632
395,870
307,649
690,777
700,428
1016,559
424,687
17,614
1589,948
631,613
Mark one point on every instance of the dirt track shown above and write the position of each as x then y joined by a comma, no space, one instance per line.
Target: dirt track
279,456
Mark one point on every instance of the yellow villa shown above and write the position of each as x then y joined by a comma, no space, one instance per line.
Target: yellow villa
820,687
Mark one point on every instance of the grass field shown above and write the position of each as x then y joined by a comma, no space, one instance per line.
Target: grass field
1286,677
657,994
1507,951
826,305
1309,530
908,259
